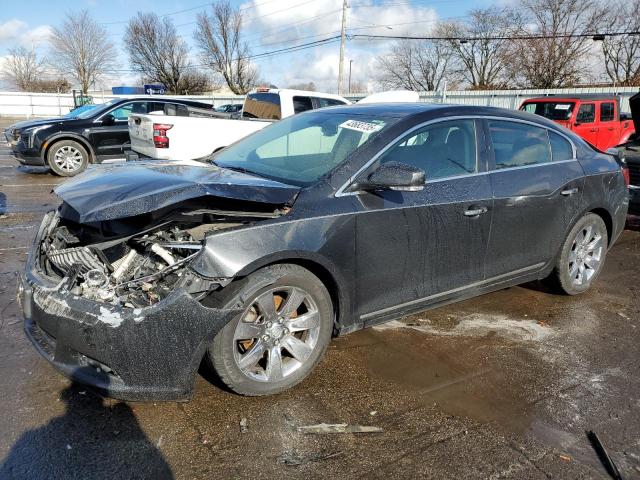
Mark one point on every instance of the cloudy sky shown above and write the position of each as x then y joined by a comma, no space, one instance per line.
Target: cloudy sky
269,25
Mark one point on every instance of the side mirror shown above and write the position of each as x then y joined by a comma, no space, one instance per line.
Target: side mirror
394,176
108,119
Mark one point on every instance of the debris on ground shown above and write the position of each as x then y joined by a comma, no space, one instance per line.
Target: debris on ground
604,457
243,425
373,412
293,459
566,458
321,428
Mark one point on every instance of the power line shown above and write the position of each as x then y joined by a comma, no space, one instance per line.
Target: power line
511,37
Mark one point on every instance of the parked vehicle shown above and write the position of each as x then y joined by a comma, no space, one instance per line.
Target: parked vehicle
185,137
252,262
99,134
230,108
596,118
9,131
631,153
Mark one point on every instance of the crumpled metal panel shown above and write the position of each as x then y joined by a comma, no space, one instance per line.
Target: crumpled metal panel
119,191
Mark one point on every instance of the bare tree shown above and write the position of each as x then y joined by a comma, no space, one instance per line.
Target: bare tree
309,86
622,53
158,53
221,48
81,48
558,58
481,56
421,65
51,85
22,68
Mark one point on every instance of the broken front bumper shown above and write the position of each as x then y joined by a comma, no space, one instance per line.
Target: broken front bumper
130,354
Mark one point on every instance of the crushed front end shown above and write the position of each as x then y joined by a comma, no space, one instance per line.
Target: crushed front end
115,304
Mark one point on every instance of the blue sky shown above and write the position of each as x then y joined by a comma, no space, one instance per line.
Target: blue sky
270,25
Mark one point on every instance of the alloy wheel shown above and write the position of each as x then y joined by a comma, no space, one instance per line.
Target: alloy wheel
585,257
68,158
276,334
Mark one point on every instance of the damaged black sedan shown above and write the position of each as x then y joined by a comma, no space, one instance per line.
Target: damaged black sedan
318,225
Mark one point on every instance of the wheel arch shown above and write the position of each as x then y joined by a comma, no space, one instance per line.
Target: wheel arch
329,277
67,136
607,218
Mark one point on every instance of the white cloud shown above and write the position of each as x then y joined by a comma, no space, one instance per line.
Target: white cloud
15,32
273,25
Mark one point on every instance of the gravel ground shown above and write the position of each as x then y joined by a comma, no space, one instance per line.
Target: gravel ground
501,386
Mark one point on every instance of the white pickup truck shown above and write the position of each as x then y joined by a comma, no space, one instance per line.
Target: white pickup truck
189,134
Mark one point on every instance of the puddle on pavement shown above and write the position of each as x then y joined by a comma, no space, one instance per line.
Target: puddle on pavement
455,373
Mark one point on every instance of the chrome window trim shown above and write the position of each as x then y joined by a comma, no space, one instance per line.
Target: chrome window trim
341,191
562,134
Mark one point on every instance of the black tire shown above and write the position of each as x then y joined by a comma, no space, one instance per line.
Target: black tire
77,155
227,352
566,275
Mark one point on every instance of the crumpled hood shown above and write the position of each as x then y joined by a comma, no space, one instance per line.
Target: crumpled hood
129,189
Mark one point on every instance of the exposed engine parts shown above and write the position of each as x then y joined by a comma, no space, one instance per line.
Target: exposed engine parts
133,271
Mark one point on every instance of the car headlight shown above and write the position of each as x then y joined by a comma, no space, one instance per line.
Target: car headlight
32,132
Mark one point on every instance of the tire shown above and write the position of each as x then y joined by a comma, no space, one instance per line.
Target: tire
582,256
67,158
273,345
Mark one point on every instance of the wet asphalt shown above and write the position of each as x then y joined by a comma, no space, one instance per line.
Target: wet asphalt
500,386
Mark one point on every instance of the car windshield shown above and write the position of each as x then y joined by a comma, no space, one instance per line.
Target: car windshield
76,112
550,110
96,110
300,149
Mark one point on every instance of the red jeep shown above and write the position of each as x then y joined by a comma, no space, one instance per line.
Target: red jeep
596,118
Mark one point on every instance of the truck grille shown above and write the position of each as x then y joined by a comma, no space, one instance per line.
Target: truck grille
634,173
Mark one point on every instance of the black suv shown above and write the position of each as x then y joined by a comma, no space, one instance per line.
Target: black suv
99,134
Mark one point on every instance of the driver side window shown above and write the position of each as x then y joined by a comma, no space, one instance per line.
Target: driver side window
442,149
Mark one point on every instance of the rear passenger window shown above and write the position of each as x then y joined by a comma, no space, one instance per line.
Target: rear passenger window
302,104
586,113
442,149
561,149
519,144
606,111
328,102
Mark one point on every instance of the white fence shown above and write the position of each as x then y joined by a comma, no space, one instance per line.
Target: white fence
21,104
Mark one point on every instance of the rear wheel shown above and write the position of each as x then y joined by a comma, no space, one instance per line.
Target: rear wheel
582,256
281,335
67,158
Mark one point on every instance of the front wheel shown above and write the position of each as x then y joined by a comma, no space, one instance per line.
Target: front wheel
582,256
67,158
281,335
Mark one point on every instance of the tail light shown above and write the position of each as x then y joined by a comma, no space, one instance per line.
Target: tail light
160,139
625,174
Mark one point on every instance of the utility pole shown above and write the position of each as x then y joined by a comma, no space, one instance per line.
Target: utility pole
343,39
350,62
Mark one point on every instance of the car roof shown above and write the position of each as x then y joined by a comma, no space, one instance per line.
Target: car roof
579,96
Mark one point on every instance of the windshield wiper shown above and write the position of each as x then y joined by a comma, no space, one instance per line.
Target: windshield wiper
238,169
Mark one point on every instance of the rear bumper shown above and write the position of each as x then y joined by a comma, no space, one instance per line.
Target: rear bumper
150,353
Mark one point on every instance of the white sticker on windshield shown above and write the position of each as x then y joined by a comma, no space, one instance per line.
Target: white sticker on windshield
562,106
364,127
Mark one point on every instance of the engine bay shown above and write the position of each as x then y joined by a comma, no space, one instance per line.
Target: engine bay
107,263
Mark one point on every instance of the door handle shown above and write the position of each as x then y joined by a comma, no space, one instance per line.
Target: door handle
593,130
569,192
474,212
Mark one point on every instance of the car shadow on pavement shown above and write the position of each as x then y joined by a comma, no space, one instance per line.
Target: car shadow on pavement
93,439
